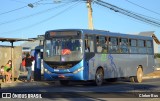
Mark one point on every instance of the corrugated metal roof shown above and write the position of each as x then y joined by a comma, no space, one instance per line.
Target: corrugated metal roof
13,39
150,33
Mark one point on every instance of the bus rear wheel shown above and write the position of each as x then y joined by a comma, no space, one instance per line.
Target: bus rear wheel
64,82
139,75
99,77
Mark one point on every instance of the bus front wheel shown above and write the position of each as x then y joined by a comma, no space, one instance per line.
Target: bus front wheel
99,77
139,75
64,82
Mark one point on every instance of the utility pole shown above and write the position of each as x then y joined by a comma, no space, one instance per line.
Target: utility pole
90,19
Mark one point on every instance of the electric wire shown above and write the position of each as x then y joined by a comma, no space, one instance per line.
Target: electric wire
143,7
42,21
35,14
128,13
18,8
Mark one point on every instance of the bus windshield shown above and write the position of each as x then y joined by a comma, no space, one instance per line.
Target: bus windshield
63,49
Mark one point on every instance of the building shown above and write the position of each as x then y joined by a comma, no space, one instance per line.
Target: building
31,45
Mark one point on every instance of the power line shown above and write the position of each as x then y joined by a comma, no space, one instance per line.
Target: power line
18,1
35,24
13,10
28,16
56,2
143,7
128,13
18,8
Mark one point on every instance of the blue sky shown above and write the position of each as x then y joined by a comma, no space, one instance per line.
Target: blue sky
74,17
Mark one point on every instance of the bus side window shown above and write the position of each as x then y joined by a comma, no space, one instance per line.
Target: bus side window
86,46
123,45
113,45
98,45
149,47
141,46
101,44
133,46
89,44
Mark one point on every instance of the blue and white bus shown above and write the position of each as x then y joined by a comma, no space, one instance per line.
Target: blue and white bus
80,54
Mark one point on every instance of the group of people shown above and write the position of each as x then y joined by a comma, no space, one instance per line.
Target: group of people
6,70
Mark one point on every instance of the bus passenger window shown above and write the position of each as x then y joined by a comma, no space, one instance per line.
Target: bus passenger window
99,47
86,46
123,45
113,45
141,47
133,46
149,47
89,44
101,44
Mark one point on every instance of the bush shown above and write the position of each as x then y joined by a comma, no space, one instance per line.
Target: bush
157,55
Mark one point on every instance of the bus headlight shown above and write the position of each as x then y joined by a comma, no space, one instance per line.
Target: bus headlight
78,70
47,71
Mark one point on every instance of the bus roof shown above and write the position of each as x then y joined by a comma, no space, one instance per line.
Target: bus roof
106,33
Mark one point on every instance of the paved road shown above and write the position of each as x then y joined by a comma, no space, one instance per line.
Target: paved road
122,89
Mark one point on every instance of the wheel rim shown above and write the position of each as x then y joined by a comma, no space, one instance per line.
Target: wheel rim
99,77
139,75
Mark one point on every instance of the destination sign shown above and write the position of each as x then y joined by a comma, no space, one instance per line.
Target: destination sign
59,34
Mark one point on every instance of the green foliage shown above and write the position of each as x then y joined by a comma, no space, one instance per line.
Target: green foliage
157,55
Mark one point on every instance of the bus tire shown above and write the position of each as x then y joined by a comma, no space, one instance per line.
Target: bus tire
99,77
64,82
139,75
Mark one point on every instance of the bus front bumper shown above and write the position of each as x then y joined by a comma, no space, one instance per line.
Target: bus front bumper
63,76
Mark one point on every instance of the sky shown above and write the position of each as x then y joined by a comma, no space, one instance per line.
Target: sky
17,20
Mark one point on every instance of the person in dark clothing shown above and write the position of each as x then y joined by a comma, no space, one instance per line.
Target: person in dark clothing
28,64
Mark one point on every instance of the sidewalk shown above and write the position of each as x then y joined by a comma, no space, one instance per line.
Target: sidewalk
21,83
155,74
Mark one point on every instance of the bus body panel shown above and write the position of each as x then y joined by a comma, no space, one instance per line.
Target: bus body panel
120,65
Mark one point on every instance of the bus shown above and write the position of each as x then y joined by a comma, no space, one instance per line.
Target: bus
96,55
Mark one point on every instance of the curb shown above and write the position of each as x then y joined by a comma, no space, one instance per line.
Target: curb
25,84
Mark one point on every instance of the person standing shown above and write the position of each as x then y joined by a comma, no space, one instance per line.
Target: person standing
28,61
